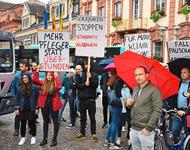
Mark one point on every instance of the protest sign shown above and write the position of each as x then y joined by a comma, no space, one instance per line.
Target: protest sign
138,43
90,36
54,50
178,49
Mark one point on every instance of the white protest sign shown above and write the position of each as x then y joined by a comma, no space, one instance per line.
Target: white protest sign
138,43
90,36
54,50
178,49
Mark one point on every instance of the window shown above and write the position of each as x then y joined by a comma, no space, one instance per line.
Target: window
35,38
159,4
118,9
27,22
32,38
137,5
87,13
23,23
74,31
76,8
185,2
158,49
101,12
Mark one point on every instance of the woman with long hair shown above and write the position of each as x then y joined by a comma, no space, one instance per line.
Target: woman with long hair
114,83
26,108
49,101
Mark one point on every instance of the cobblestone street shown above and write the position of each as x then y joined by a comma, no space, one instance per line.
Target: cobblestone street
65,137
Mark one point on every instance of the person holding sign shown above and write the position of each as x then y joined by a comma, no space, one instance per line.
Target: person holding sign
49,101
86,85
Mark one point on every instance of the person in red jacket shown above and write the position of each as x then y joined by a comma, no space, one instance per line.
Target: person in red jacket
49,102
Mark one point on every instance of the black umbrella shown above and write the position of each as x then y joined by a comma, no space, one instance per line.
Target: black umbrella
176,65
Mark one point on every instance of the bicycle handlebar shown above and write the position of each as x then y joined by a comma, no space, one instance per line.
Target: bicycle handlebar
172,112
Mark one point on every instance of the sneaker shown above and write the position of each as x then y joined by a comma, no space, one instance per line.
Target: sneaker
94,138
22,141
123,129
70,126
114,146
80,137
104,125
16,133
33,140
53,143
118,142
43,142
107,143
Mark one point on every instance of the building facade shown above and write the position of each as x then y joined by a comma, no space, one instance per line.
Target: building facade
164,19
33,19
10,16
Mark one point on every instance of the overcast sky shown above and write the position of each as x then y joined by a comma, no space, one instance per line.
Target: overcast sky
22,1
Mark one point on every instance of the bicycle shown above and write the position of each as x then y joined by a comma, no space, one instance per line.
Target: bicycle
163,126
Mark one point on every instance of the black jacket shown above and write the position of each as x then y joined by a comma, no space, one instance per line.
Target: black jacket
103,83
86,92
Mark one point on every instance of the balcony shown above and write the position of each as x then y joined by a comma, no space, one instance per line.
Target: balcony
122,25
139,23
130,24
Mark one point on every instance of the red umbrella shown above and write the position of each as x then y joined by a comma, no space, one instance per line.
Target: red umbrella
127,62
110,67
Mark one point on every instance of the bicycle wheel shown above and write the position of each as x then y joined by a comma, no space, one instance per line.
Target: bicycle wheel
187,146
158,144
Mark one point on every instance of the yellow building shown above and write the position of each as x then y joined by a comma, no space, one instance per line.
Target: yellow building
33,19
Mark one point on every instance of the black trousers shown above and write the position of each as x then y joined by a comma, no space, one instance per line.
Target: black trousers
32,127
89,105
128,121
46,112
17,122
72,111
105,108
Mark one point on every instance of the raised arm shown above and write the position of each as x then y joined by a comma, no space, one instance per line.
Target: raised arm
35,79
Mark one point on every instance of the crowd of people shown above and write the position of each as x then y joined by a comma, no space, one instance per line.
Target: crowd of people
140,108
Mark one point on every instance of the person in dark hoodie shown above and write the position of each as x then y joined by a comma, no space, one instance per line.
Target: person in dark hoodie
26,108
86,84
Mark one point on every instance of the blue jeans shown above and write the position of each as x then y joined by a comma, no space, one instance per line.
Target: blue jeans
72,111
77,104
177,126
113,127
64,102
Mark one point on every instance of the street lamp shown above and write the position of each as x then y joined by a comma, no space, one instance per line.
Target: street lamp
162,31
27,42
177,29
